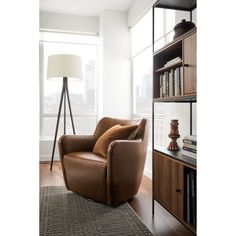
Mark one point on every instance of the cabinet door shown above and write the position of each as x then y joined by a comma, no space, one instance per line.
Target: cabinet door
168,183
190,59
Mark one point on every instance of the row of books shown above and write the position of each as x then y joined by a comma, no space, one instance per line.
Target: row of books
190,213
171,82
190,146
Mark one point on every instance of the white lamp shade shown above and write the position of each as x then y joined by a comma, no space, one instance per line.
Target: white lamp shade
64,65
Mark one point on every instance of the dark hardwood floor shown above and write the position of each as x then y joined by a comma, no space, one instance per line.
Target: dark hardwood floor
162,224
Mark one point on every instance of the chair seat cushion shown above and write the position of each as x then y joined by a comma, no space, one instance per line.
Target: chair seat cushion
86,174
87,156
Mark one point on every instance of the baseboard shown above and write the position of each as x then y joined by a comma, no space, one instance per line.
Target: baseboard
48,158
148,173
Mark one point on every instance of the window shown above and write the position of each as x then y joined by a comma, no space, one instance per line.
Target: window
82,93
141,34
142,83
165,21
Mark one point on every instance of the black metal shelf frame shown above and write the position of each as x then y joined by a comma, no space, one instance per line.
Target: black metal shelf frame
183,5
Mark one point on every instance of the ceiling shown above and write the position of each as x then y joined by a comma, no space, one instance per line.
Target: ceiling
84,7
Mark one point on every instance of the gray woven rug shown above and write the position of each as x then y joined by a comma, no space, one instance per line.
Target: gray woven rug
63,213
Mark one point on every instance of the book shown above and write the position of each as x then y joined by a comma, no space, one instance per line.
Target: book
187,141
189,154
161,84
171,83
176,82
191,137
189,145
189,149
173,61
181,80
167,84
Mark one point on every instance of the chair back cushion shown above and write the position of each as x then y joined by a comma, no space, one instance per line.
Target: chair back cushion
107,122
116,132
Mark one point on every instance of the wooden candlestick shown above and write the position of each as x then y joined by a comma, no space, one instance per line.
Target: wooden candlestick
174,134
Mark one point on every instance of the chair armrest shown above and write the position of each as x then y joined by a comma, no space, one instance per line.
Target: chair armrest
75,143
125,165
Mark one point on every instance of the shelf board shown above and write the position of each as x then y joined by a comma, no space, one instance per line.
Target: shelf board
181,98
177,155
190,226
184,5
166,68
178,39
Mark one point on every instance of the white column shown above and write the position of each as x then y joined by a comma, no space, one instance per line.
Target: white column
115,78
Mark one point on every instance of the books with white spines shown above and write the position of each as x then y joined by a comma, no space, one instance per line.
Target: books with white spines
191,137
171,80
177,81
173,61
167,84
187,141
189,145
182,80
161,85
187,153
164,85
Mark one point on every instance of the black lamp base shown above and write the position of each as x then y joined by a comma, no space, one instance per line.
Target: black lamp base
64,94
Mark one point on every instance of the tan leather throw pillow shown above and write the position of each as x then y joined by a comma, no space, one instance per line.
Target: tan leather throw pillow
116,132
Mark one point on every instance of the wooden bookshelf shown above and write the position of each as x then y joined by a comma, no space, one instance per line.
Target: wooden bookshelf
166,78
173,171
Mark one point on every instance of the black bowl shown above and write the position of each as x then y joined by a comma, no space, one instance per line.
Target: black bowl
183,27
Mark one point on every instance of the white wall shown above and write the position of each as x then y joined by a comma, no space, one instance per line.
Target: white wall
138,9
69,23
45,150
186,15
116,97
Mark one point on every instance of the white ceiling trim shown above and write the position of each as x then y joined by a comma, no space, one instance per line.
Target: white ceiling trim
84,7
138,10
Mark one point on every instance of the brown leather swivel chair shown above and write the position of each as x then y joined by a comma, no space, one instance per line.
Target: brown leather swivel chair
110,180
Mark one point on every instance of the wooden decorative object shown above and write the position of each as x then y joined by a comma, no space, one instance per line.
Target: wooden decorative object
174,134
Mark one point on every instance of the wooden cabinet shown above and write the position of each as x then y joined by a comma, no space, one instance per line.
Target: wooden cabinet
169,184
170,170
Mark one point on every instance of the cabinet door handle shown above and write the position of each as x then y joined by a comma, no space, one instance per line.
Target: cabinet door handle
178,190
186,65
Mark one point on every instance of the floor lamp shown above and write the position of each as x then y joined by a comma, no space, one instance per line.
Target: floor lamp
64,66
